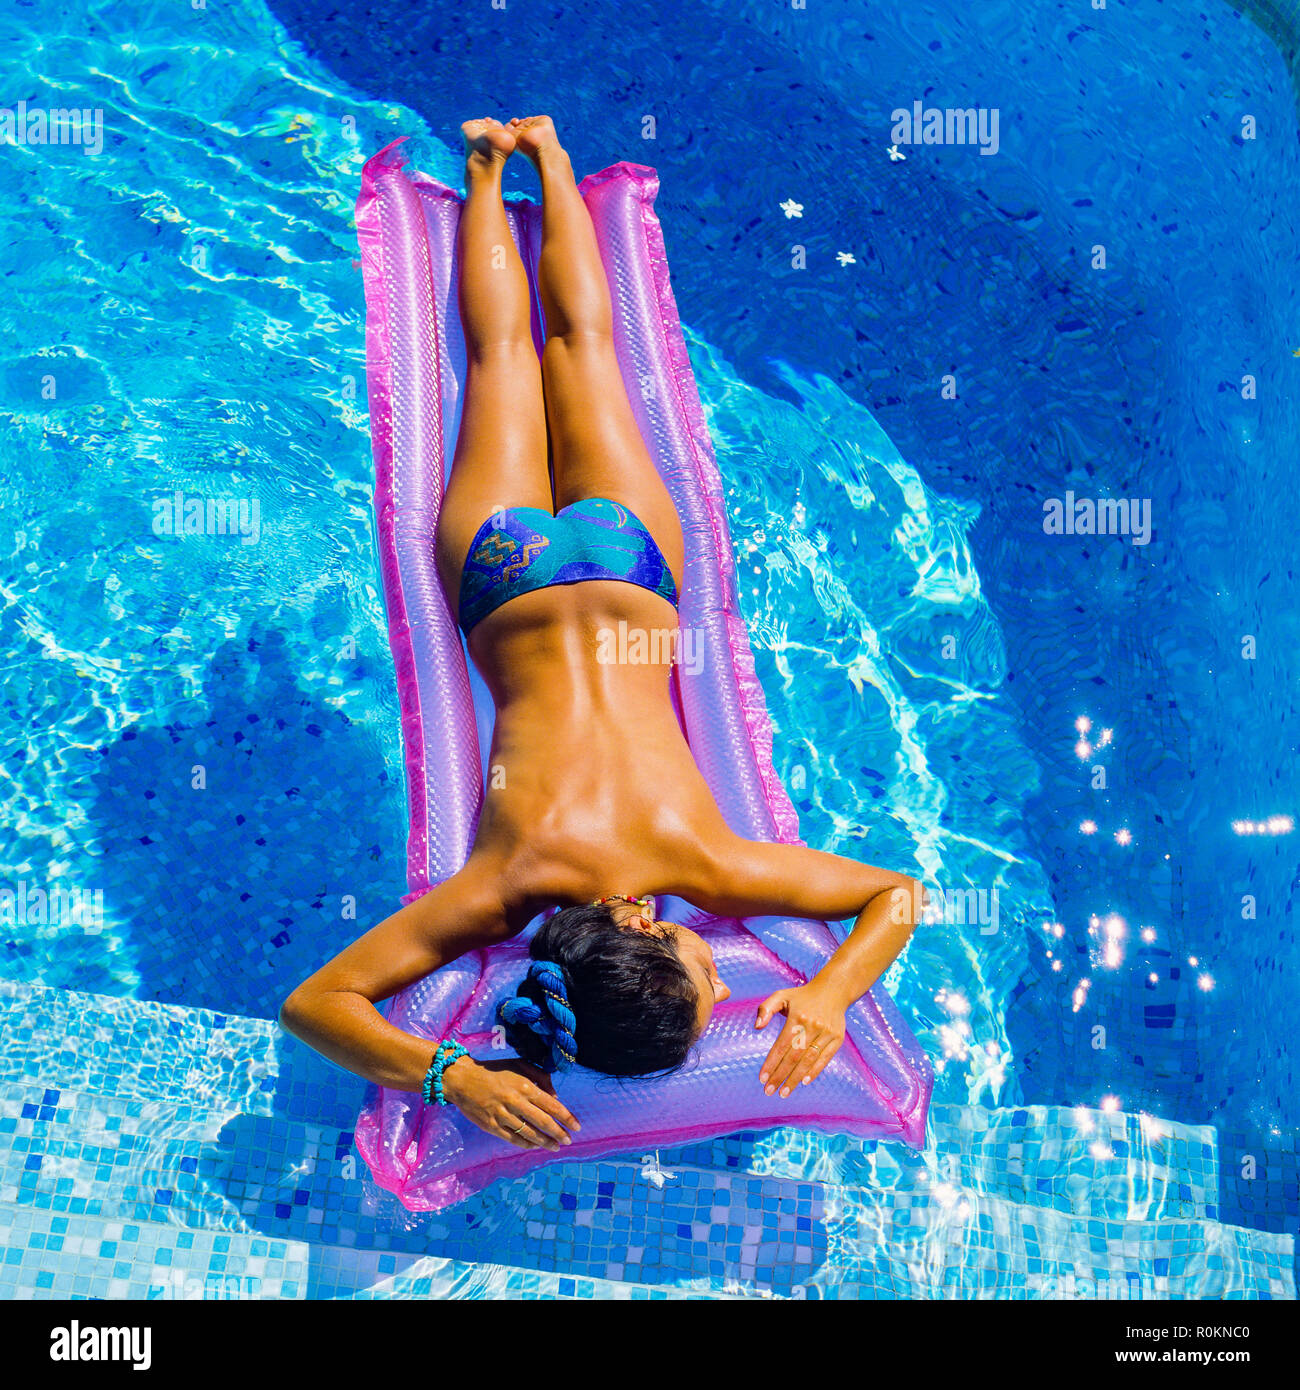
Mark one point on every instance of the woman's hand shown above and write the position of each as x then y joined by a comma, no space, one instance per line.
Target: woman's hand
509,1100
813,1032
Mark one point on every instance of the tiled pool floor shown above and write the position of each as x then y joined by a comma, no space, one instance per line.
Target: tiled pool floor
153,1151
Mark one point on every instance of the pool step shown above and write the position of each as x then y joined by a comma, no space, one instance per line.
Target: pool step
1089,1162
141,1050
86,1256
199,1128
188,1178
1069,1159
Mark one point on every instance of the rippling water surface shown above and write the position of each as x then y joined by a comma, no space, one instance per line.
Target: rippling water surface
205,730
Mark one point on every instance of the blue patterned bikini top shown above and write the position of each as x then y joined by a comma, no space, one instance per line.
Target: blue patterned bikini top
524,548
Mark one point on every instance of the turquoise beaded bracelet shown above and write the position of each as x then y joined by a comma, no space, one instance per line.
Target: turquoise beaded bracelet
444,1055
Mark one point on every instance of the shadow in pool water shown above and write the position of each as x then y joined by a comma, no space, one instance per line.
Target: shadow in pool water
234,842
704,1226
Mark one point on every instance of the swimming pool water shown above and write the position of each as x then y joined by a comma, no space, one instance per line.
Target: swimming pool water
205,732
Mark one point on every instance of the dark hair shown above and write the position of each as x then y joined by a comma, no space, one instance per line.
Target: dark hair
633,1000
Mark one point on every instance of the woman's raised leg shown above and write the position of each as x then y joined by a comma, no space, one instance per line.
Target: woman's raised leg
596,445
501,457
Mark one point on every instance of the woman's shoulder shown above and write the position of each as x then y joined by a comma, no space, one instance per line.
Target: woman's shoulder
539,876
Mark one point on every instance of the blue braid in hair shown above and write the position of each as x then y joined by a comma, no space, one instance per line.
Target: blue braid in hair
555,1022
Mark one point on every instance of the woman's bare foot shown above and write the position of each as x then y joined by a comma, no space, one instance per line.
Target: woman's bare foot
534,136
487,141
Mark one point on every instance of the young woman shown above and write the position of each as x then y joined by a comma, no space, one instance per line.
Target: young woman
593,786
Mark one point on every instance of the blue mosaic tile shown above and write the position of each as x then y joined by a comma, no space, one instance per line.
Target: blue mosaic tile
203,1179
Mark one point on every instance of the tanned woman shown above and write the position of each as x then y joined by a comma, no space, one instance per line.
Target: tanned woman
556,527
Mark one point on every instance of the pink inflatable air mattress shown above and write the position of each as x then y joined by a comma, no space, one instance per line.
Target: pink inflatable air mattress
879,1083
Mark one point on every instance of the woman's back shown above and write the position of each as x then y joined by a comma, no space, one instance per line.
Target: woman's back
589,772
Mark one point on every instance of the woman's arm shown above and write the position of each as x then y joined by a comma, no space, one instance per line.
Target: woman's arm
748,878
334,1010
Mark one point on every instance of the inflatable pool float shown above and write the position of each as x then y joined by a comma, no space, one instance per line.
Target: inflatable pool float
878,1085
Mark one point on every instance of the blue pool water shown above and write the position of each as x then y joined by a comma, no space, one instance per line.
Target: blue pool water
204,732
